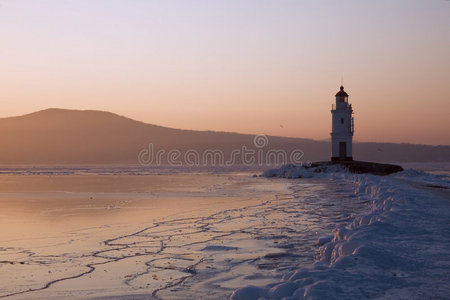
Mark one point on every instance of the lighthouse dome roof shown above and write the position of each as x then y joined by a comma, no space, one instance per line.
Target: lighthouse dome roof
342,93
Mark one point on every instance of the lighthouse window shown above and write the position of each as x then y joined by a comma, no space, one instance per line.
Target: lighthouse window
342,120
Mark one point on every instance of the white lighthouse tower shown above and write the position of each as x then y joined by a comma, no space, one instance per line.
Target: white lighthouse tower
342,128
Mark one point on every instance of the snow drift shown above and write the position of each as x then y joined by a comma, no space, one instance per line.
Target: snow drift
397,249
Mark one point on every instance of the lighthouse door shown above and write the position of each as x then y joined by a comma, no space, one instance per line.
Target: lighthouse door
342,150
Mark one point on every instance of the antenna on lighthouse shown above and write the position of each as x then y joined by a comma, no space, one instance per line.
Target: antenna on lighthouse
342,80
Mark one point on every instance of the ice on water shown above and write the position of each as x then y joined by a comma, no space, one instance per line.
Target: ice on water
177,236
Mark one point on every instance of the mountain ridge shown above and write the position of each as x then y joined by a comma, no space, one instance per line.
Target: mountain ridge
63,136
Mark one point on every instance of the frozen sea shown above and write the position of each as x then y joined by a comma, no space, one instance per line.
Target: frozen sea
132,233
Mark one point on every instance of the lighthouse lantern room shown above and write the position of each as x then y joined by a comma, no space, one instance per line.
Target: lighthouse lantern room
342,128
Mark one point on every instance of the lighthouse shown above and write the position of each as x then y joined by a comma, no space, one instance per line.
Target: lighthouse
342,128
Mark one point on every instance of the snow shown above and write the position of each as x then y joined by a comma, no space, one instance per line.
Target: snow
397,249
297,171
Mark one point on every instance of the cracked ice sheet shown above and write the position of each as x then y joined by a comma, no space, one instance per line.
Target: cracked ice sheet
80,236
171,236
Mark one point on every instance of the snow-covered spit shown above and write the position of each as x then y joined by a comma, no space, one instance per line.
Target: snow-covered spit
398,249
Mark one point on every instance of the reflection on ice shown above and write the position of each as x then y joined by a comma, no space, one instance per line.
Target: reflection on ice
218,233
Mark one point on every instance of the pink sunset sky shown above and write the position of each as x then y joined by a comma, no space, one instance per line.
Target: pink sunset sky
252,66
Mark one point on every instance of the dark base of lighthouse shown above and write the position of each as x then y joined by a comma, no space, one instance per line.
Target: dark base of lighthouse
361,167
342,158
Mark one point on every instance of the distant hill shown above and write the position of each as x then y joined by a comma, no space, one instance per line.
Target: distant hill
58,136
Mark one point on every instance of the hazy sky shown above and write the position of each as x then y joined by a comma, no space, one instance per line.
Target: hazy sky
251,66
